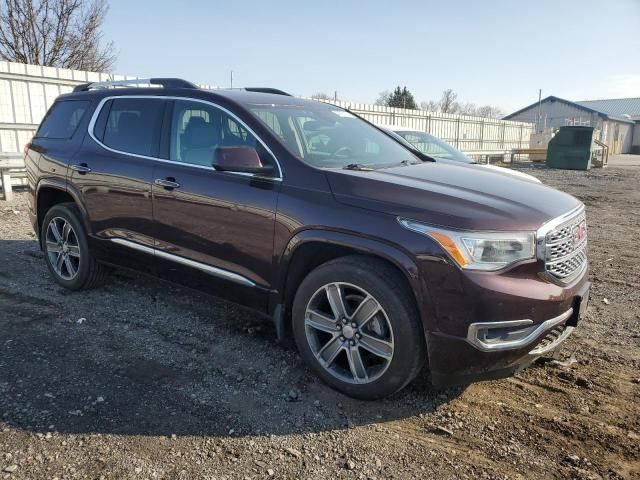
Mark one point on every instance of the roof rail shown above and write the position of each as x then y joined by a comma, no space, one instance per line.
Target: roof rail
163,82
275,91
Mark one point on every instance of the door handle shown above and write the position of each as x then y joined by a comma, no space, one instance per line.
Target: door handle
82,168
167,183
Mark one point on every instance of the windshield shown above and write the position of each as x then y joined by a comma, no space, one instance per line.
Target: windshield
328,137
433,146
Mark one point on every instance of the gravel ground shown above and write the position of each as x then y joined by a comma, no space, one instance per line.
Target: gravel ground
142,379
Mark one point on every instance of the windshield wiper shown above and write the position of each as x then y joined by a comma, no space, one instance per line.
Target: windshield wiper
403,163
357,166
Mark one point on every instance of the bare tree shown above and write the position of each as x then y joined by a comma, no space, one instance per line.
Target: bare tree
467,108
383,98
430,106
490,111
55,33
448,102
321,96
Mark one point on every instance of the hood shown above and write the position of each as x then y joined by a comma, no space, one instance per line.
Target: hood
514,173
469,197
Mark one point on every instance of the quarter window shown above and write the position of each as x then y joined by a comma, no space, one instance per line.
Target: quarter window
63,119
132,125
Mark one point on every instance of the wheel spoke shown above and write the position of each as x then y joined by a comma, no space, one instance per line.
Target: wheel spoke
377,346
66,230
71,268
74,251
53,247
334,295
320,321
358,370
330,351
365,311
59,262
55,231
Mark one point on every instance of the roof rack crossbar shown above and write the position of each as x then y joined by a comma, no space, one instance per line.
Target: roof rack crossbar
163,82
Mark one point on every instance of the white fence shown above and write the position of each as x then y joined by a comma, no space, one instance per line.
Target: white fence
466,133
27,91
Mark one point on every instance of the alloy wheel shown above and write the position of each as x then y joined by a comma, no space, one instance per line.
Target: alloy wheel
349,333
62,248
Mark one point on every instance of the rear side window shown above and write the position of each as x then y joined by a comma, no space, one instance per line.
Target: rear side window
63,119
131,125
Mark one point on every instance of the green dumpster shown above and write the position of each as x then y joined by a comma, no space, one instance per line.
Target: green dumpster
571,148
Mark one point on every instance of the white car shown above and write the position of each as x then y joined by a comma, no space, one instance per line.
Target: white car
442,151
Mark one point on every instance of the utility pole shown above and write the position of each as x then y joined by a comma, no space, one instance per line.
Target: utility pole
539,111
231,78
335,95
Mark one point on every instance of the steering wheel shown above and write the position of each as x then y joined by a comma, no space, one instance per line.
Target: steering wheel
343,152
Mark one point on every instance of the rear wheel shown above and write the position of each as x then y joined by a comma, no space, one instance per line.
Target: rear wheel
66,251
356,324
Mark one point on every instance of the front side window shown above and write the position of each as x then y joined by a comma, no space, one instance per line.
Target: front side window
132,125
197,129
326,137
433,146
63,119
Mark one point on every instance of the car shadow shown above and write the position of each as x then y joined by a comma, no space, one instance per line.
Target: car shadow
139,356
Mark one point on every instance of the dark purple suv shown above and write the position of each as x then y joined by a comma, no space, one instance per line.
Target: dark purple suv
376,258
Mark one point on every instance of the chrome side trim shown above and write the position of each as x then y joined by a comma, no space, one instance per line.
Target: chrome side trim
211,270
476,328
98,109
552,346
134,245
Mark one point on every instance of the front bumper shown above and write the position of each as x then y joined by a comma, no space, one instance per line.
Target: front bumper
532,318
476,364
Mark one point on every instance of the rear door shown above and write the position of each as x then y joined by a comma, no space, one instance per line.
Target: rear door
214,229
113,176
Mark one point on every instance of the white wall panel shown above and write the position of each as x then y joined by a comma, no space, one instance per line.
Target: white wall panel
21,105
37,100
6,102
8,142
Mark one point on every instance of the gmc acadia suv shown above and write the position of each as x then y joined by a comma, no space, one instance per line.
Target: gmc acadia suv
374,256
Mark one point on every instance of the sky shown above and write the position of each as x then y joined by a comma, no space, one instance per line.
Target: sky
497,52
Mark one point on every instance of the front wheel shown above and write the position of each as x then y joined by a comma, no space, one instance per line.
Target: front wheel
356,324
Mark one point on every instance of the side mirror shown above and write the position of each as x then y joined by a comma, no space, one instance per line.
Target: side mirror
239,159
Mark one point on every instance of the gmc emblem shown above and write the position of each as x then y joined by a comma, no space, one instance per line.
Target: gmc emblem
578,233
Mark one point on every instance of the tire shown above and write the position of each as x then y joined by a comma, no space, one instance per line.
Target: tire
83,272
393,332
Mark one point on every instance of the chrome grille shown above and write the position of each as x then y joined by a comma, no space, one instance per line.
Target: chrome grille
566,248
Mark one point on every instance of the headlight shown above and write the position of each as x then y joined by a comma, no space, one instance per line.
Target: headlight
479,250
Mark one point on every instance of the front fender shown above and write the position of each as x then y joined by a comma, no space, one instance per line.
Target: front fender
361,244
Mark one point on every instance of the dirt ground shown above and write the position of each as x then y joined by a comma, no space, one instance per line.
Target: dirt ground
141,379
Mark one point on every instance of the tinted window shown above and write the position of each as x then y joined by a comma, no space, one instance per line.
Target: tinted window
197,129
133,125
63,119
433,146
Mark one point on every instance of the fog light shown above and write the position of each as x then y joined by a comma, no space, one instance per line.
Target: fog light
491,336
499,335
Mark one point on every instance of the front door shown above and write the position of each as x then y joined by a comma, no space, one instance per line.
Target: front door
214,230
